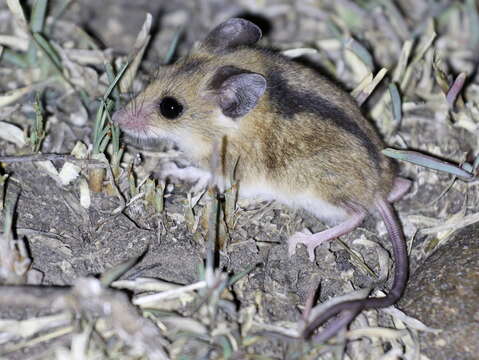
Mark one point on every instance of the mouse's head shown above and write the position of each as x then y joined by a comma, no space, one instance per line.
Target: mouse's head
202,97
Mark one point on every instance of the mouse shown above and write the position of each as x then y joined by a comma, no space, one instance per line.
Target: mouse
287,132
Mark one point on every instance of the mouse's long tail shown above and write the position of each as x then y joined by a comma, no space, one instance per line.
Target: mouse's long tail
401,268
349,309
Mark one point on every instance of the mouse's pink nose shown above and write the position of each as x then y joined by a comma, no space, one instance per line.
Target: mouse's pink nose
133,118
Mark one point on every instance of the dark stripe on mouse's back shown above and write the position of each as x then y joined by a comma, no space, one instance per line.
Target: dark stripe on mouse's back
289,101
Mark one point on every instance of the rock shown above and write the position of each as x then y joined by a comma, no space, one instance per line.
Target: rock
444,294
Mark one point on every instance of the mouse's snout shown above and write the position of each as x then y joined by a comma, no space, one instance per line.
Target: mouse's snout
123,118
134,118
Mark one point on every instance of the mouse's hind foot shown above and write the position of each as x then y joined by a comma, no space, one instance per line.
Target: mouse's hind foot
314,240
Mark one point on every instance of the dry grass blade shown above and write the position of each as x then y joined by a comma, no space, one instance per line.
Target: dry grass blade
384,260
14,95
14,42
12,133
11,329
384,333
141,284
403,61
214,212
148,300
295,53
366,89
427,41
44,338
411,322
136,55
453,224
356,259
361,52
18,14
70,171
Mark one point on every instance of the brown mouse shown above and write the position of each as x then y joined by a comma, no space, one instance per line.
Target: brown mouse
294,137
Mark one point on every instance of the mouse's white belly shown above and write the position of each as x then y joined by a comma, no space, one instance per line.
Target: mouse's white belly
262,190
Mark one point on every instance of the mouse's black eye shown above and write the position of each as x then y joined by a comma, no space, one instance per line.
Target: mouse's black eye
170,108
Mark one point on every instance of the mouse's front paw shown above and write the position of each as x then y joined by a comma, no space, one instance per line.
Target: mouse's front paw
190,174
301,238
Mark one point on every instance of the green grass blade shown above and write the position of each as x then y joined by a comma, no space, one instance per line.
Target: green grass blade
173,46
475,166
48,49
111,79
242,274
471,11
396,103
115,81
104,142
428,161
115,136
14,58
37,17
98,118
60,8
115,272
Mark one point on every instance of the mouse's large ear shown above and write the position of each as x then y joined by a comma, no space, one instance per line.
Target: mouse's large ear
236,91
231,33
